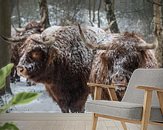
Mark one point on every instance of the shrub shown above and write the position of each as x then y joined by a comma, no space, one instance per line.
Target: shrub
20,98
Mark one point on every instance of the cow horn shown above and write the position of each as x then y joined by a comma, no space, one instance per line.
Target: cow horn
88,44
43,42
109,26
18,29
145,46
91,45
13,40
37,41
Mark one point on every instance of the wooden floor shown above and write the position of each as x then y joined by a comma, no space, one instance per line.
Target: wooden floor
57,121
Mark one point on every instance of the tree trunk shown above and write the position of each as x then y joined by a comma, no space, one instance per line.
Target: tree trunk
5,30
109,6
90,10
44,13
158,31
94,9
99,13
18,13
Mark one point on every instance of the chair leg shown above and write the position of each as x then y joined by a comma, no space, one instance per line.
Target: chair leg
124,125
144,126
94,123
146,109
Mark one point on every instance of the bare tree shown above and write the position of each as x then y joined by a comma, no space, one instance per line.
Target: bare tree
5,30
99,13
89,8
94,9
44,13
158,31
18,13
109,6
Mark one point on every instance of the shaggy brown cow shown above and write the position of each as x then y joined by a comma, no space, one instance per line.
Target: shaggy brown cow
61,61
21,35
17,41
117,60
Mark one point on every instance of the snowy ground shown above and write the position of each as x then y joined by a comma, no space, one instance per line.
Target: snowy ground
42,104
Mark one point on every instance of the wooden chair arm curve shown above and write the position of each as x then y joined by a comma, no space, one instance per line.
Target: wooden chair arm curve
150,88
100,85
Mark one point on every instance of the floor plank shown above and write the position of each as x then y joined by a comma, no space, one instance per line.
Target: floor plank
58,121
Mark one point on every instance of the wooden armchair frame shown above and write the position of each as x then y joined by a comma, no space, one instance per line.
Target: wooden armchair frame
98,90
146,106
97,96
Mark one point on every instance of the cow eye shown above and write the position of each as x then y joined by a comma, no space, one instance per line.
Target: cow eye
36,55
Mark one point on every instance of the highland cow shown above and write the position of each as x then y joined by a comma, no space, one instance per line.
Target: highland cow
116,60
60,60
17,41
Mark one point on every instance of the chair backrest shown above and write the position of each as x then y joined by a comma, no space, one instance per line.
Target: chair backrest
143,77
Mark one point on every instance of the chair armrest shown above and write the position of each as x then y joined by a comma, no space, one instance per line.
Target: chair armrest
150,88
100,85
98,91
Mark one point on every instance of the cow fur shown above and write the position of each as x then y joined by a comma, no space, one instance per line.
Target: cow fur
120,59
31,28
63,65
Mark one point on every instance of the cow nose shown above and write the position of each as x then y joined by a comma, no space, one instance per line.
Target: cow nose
21,70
